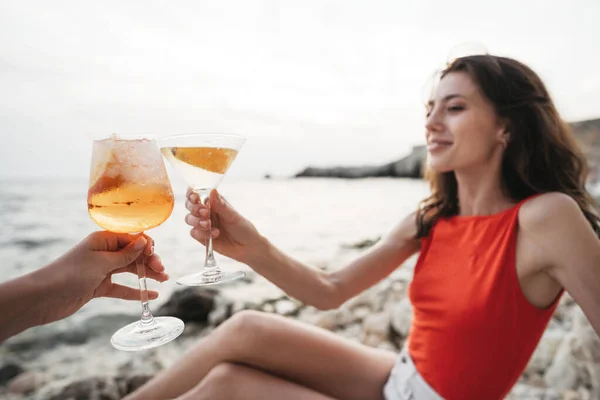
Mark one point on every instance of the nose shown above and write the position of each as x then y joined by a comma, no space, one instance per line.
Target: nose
433,123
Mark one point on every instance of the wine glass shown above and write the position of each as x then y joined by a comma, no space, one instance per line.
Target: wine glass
202,160
130,192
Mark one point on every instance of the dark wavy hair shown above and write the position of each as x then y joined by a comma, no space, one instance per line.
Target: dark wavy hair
541,156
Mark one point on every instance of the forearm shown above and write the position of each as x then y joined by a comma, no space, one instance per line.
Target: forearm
304,283
20,301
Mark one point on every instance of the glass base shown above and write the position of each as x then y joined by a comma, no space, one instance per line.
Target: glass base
199,279
137,336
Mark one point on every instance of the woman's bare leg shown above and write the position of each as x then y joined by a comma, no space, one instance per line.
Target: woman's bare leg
237,382
294,351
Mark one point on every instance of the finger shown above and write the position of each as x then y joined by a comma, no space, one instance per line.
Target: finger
108,241
126,256
155,263
189,192
127,293
192,196
198,209
216,197
201,211
222,208
194,221
149,250
150,274
200,235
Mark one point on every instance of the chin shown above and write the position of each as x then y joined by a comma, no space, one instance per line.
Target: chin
438,165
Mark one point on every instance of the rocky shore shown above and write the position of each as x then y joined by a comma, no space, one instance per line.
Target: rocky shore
78,363
407,167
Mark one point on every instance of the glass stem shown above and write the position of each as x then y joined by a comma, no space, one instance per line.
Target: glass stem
210,270
147,317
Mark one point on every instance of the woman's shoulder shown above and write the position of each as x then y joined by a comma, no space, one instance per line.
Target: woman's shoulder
548,211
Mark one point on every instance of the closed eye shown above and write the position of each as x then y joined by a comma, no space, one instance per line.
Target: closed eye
455,108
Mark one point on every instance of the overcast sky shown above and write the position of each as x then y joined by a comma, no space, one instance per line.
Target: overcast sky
309,82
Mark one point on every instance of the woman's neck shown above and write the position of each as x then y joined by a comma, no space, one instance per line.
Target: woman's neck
481,191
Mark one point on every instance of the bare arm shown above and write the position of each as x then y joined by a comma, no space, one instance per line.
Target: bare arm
20,304
570,247
329,290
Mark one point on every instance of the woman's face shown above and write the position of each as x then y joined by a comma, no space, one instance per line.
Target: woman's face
462,130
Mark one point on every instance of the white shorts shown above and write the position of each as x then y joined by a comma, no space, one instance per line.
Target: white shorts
405,382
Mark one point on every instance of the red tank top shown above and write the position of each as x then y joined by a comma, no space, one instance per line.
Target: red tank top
473,330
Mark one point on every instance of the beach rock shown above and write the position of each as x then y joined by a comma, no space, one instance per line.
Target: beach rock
190,305
245,297
361,312
388,346
46,337
372,340
287,307
562,374
131,383
352,332
363,244
377,324
376,329
526,392
93,388
545,350
331,319
27,382
401,317
381,296
8,371
563,313
268,308
587,352
577,360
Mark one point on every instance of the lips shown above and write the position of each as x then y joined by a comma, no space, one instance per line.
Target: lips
438,144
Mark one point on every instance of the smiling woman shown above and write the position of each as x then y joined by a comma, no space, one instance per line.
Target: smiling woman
508,227
493,110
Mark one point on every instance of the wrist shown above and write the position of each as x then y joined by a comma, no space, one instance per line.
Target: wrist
44,283
258,252
20,301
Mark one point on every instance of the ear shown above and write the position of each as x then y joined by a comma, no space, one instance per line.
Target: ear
503,134
505,137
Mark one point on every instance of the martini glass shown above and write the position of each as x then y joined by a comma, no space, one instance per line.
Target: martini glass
203,160
130,192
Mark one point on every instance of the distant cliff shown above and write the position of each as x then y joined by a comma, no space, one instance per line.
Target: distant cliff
407,167
587,134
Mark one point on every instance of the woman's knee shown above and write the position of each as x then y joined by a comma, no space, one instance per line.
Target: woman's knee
222,374
217,384
246,325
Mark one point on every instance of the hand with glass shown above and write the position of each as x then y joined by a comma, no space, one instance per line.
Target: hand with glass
130,192
59,289
203,160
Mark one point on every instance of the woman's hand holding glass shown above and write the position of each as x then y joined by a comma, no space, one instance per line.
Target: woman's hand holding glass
233,235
